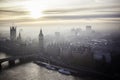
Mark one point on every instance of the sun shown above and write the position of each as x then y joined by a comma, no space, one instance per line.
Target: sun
35,9
34,13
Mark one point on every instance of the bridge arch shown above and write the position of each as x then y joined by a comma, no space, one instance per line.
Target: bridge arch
8,62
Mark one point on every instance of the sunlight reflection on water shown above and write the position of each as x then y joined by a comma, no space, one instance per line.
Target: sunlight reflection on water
32,71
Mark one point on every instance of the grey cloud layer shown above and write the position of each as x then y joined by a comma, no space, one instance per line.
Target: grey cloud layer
12,12
96,8
104,12
85,16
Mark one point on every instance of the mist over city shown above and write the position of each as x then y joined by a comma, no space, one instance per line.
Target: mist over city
59,40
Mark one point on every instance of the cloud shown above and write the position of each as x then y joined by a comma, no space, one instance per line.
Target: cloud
95,8
65,13
84,16
108,1
12,12
11,0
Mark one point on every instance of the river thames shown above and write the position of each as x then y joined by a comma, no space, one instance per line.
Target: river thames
32,71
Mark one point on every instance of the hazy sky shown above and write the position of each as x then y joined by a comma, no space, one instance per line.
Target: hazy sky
35,12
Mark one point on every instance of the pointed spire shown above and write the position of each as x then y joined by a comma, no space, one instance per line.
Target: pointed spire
41,41
41,34
19,37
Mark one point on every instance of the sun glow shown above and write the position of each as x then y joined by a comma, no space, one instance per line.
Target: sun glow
34,13
35,9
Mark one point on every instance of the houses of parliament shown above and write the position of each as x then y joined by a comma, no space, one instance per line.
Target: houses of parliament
15,38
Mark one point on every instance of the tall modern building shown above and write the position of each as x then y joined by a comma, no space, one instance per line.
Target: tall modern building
13,33
41,41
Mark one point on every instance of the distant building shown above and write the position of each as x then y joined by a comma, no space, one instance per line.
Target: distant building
76,31
57,34
88,28
57,37
13,33
41,41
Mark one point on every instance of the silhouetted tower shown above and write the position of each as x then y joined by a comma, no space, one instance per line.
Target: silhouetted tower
13,33
19,37
41,41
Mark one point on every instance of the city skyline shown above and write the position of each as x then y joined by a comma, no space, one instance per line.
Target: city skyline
59,39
